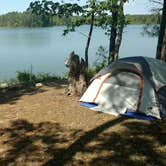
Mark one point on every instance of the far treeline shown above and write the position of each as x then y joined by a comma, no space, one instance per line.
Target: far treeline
27,19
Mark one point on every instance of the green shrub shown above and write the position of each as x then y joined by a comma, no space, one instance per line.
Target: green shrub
101,60
100,66
26,78
89,73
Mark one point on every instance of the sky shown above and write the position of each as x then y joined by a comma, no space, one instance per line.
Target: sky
133,7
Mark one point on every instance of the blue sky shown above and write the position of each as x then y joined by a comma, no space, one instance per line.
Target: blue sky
133,7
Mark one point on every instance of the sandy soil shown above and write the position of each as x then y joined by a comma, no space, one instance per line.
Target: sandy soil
46,127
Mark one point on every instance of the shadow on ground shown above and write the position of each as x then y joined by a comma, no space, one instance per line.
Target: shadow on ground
49,144
11,95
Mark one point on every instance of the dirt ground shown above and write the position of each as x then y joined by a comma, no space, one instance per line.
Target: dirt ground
45,127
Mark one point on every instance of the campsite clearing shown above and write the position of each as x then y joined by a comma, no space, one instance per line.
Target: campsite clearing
45,127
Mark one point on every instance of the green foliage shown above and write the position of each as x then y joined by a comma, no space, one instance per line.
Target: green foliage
102,58
90,73
65,11
142,19
29,19
100,63
26,78
151,30
100,66
152,25
105,11
25,19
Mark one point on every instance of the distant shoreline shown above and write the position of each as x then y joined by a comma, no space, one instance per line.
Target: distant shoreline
27,19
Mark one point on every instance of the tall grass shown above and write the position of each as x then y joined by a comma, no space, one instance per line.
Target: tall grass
28,78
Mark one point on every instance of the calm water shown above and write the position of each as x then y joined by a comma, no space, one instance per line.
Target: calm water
46,49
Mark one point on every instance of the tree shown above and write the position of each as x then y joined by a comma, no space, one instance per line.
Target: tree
111,18
161,46
113,35
93,9
88,16
42,9
68,10
159,29
120,28
92,19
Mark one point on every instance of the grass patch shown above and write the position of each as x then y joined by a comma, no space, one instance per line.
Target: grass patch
27,78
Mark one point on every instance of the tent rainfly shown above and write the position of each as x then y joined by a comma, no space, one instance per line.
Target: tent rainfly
132,86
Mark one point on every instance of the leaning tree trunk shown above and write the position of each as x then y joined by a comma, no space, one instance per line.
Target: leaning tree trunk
113,34
89,39
161,33
119,30
76,76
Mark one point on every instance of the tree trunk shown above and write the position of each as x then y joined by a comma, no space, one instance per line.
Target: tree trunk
119,30
89,39
76,76
161,33
113,34
163,51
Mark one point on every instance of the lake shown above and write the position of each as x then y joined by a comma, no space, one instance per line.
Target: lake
46,49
